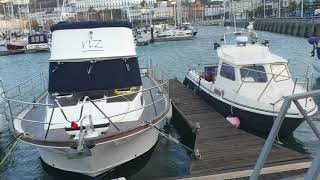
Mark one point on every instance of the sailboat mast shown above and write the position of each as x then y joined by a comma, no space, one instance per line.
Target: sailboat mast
29,22
12,15
234,23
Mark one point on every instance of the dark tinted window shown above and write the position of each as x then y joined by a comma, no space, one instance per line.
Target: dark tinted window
227,71
253,74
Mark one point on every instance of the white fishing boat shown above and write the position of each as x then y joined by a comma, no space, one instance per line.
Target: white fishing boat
143,38
249,82
189,29
100,109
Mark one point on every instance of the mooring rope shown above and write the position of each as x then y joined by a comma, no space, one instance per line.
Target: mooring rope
172,139
11,149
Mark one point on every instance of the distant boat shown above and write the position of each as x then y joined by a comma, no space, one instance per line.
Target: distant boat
16,45
189,29
3,42
143,38
173,35
38,42
249,82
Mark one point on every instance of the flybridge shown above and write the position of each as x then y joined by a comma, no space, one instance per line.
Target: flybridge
86,40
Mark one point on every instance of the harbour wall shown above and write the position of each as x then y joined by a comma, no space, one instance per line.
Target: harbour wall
239,23
302,27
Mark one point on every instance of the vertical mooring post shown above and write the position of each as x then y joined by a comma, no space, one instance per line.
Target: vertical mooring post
196,131
6,103
152,37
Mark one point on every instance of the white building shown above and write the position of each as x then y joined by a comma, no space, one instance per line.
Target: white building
161,11
20,2
84,5
215,8
16,2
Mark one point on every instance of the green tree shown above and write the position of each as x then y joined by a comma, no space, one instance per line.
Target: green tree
259,11
292,6
116,14
107,14
34,24
316,4
143,3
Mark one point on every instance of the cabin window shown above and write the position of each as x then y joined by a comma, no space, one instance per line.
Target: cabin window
253,74
280,72
227,71
33,39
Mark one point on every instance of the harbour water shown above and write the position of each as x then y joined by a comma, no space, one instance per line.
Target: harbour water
167,159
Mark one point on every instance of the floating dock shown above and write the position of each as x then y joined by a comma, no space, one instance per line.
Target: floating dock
22,51
227,152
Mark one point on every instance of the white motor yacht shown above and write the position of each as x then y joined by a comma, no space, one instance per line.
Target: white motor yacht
38,42
100,109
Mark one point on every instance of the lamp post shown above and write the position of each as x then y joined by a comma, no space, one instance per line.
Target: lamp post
264,8
301,8
174,13
279,11
253,13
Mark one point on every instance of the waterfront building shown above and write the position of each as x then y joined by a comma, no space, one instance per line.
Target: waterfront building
214,9
85,5
160,11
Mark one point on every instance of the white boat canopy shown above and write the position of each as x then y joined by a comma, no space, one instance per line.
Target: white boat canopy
98,40
248,55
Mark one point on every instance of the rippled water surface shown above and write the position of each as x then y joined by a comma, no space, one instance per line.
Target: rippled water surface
167,159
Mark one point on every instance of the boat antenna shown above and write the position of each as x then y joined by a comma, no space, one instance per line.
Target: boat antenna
234,23
128,13
62,10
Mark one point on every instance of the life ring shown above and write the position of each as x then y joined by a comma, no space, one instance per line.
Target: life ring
125,91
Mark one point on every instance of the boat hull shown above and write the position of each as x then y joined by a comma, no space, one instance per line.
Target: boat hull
249,121
195,33
104,157
38,47
13,47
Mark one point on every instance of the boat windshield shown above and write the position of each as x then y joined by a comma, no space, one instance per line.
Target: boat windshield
93,75
253,73
36,39
280,72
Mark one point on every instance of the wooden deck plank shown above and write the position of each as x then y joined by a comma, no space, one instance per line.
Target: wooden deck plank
225,149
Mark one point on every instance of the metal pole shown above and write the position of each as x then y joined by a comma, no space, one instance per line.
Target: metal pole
279,11
264,8
12,14
270,140
253,13
301,8
304,114
314,169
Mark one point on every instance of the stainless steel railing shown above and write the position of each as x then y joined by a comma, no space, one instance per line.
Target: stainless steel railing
314,169
14,102
305,81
